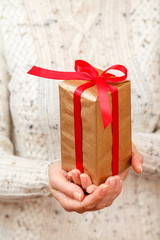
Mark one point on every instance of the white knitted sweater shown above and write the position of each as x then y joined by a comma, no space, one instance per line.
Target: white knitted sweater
52,34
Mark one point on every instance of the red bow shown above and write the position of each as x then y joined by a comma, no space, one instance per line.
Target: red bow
85,71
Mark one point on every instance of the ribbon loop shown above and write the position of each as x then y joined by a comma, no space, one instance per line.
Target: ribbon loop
85,67
109,76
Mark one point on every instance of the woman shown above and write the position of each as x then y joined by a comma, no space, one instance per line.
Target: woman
53,34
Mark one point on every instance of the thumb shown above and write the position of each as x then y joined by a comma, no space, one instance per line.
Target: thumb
137,160
61,184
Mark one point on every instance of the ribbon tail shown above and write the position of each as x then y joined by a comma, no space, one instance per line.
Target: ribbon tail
78,124
104,103
51,74
115,125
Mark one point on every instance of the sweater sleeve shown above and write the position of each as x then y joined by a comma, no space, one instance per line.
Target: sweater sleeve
19,177
148,144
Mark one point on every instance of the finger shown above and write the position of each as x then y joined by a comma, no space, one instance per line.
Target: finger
124,174
76,176
137,160
90,189
102,189
85,180
90,202
69,176
60,183
111,181
112,194
66,202
116,191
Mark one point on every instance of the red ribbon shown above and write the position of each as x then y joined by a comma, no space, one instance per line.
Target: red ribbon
85,71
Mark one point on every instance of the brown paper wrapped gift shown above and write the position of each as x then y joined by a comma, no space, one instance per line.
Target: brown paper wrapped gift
96,141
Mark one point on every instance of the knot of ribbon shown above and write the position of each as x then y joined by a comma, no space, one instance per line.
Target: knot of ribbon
85,71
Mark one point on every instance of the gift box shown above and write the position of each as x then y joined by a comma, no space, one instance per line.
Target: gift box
95,119
96,141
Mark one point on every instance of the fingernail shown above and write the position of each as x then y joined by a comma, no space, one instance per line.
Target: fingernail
88,190
140,168
77,196
84,179
112,182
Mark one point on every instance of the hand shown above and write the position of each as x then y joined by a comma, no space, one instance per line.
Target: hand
86,183
71,196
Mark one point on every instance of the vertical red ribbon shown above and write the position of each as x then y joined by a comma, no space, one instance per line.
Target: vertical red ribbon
115,133
78,124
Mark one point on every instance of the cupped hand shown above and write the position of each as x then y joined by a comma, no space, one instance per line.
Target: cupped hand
68,188
85,182
72,197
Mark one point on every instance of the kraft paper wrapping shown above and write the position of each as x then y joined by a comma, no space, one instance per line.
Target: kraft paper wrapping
96,141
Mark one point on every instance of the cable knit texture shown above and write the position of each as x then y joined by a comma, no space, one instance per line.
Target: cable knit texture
53,34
